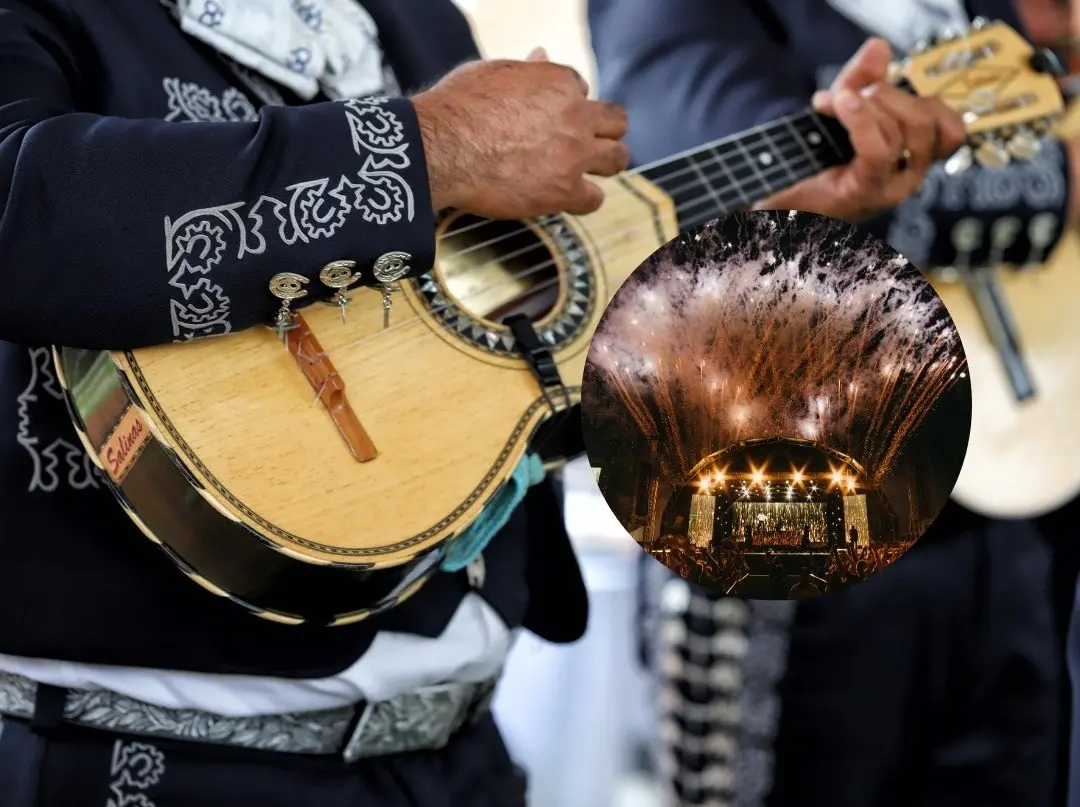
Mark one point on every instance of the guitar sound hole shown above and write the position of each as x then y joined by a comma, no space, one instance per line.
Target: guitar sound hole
495,269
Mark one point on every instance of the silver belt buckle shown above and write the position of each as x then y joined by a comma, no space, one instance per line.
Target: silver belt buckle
416,721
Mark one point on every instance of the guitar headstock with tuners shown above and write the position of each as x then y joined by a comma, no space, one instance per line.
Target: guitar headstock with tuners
1006,90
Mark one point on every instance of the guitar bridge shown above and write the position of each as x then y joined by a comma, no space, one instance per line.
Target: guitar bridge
538,356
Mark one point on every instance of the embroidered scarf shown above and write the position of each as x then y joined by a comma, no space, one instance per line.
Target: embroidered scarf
904,22
308,46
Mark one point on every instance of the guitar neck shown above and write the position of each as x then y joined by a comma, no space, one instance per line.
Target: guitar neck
734,173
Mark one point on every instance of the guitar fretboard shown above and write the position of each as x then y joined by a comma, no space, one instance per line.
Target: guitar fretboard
734,173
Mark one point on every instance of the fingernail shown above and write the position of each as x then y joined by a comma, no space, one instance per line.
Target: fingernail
537,55
820,98
848,100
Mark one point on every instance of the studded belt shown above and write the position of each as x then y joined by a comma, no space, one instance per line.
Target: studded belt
424,719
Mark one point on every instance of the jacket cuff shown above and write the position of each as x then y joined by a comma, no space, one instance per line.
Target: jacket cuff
366,194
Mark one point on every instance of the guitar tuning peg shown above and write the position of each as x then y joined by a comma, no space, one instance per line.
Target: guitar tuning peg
959,162
991,154
1024,145
1046,61
1044,125
979,23
947,35
923,45
898,71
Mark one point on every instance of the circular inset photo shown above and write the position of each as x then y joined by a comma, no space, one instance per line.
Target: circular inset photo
776,405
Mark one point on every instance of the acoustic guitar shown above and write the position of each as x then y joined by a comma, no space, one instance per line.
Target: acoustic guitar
320,478
1021,329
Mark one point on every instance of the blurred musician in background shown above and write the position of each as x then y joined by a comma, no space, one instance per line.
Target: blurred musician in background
877,706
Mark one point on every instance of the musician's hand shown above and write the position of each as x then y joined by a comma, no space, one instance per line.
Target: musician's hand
1045,21
510,140
896,138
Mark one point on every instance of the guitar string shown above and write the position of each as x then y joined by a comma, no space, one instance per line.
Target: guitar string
785,131
715,195
711,193
785,120
725,197
782,129
417,318
789,132
755,130
545,284
718,197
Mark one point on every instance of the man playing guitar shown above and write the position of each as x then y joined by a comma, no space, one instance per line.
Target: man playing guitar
121,681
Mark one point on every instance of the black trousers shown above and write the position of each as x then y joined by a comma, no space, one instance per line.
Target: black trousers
76,768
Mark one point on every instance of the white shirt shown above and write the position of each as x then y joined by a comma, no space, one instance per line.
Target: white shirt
473,648
904,22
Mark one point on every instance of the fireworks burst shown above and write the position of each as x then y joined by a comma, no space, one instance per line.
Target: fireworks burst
776,324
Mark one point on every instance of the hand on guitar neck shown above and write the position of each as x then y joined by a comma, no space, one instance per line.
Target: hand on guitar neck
1054,24
896,137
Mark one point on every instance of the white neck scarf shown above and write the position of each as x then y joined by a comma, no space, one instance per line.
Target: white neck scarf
904,22
309,46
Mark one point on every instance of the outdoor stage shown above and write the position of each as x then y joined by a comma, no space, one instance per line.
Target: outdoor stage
784,494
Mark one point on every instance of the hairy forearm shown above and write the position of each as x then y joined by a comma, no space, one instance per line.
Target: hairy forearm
440,151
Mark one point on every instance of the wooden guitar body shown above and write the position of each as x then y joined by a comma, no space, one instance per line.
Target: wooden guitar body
222,452
1022,456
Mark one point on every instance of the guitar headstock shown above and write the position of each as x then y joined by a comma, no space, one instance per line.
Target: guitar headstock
1006,90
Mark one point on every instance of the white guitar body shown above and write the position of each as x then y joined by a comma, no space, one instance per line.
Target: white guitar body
1023,459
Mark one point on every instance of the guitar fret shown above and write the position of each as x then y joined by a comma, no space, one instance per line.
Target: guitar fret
736,183
829,137
785,164
741,165
764,183
818,120
708,185
785,153
811,159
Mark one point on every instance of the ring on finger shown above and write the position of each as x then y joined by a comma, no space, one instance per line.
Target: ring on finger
903,161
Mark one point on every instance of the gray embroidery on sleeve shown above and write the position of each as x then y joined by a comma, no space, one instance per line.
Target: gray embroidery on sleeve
56,460
193,102
199,240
